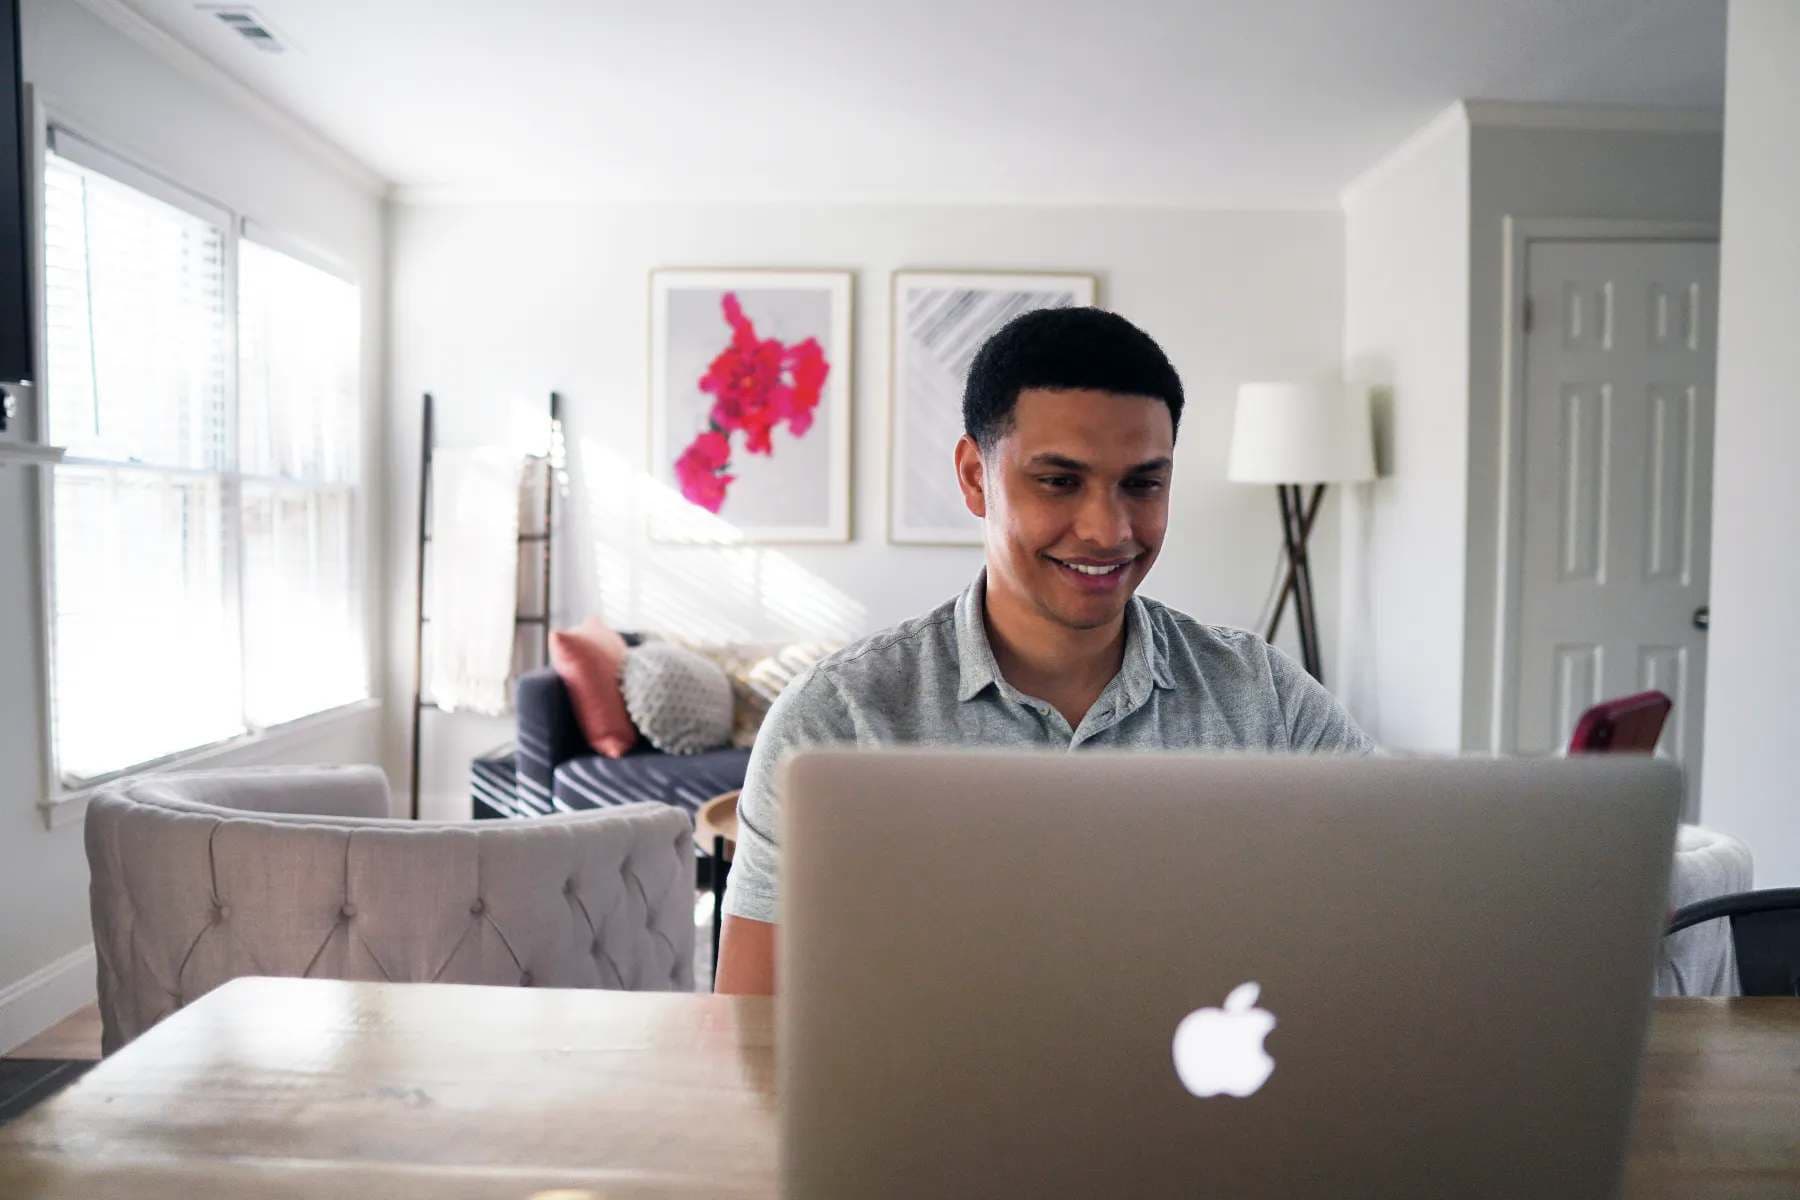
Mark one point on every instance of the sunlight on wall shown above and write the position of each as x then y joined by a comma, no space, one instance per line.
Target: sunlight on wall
713,586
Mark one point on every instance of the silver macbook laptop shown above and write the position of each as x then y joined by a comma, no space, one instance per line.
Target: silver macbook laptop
1159,975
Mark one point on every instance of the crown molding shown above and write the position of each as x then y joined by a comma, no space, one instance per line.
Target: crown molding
1512,114
190,62
1451,120
579,192
1597,118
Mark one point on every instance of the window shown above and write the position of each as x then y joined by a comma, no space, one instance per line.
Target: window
297,439
203,542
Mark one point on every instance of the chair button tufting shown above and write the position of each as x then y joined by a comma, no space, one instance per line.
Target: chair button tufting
348,911
221,912
569,888
525,979
477,908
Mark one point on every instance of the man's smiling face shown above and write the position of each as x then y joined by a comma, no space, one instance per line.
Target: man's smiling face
1076,500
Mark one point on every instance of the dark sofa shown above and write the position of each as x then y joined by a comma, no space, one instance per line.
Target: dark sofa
558,771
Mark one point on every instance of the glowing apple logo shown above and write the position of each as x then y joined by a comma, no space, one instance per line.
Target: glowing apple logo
1220,1050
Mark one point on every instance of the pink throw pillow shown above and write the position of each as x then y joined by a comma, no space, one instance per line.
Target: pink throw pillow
588,659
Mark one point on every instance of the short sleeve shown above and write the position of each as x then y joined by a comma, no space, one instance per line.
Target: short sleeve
809,712
1316,721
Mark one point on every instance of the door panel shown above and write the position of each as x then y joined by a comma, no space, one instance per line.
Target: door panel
1618,417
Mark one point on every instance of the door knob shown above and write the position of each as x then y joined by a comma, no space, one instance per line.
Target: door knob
1702,618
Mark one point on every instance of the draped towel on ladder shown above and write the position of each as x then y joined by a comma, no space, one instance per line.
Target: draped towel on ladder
474,584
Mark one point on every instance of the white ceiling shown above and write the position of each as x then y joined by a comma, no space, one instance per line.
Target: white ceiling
1246,103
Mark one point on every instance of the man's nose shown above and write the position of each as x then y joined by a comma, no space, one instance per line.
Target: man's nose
1103,519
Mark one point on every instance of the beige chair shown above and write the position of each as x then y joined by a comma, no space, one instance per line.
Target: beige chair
200,878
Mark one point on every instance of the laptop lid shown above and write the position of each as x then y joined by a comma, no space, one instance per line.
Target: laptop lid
986,962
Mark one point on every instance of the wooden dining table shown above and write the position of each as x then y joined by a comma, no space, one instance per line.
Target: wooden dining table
285,1088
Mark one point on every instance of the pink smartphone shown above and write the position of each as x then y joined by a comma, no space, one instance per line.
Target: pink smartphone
1628,725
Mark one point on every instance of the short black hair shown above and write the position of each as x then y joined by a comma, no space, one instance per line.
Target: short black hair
1063,349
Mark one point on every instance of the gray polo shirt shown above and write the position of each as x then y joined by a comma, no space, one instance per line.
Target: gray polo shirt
933,680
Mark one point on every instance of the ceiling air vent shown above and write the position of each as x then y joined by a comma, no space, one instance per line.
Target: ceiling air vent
246,24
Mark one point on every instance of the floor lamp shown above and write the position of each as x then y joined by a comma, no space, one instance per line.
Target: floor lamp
1297,436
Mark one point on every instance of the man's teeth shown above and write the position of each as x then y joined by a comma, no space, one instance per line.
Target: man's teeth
1093,570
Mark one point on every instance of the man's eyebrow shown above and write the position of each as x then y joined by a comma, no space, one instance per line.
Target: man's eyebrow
1063,462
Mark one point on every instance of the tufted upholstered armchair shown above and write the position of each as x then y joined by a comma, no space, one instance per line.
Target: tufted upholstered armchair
200,878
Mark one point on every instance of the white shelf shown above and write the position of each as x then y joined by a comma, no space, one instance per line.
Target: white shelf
23,452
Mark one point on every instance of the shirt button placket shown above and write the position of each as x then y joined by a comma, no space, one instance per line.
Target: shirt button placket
1095,723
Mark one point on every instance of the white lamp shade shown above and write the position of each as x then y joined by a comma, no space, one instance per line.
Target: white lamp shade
1300,433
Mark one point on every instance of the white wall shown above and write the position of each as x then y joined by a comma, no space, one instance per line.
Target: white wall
499,305
1406,256
174,121
1424,253
1753,670
1546,172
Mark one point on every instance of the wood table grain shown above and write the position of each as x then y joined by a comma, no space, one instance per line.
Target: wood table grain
308,1088
1718,1102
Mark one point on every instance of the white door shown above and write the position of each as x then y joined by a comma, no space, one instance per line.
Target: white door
1618,429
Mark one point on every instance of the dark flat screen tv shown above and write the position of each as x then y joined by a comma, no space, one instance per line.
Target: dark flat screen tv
15,280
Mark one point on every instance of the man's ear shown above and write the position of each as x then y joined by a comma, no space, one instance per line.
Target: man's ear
970,475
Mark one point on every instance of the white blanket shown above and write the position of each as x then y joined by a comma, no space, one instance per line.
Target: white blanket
1700,961
474,577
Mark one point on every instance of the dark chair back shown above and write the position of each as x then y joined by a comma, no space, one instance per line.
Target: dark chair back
1765,934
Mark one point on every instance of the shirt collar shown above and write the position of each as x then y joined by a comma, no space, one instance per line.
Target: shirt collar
1144,665
974,657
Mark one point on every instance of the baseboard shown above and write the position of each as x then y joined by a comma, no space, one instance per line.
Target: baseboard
46,996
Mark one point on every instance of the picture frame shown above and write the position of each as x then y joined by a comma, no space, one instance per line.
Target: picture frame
750,400
938,320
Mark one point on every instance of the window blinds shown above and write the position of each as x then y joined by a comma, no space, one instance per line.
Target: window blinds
136,307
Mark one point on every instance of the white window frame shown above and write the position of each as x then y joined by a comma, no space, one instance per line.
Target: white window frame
52,128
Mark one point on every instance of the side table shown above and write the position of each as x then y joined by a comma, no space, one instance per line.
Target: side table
716,830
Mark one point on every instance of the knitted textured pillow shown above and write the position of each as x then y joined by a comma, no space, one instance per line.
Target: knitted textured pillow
735,659
677,699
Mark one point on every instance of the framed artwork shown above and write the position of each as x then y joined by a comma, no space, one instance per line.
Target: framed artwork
939,321
750,405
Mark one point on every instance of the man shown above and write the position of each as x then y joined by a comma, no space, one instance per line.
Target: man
1070,419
